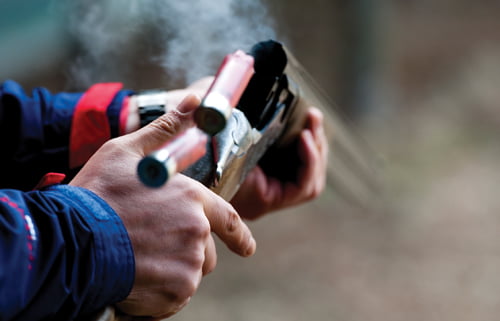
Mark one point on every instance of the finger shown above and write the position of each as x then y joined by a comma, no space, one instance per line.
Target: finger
314,118
309,154
258,194
210,256
318,130
319,135
314,152
165,127
228,226
310,173
202,84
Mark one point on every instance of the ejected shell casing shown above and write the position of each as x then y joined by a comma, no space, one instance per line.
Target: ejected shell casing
224,93
175,156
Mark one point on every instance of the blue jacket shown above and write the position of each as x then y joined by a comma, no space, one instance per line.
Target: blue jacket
63,251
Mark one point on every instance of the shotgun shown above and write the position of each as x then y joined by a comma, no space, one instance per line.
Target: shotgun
251,110
255,122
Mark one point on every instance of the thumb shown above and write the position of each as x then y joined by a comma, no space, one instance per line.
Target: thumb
158,132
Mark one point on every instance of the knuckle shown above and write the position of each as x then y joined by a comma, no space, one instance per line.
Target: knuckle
183,289
168,123
171,123
194,232
193,193
115,148
186,290
198,228
233,221
111,145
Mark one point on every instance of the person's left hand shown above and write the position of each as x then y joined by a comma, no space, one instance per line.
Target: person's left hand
261,193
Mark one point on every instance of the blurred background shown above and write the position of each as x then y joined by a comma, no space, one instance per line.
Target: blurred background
417,81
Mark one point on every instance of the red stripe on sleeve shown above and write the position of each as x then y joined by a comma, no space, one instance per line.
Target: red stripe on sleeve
90,125
50,179
124,116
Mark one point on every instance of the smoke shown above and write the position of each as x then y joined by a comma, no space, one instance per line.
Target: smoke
203,29
187,39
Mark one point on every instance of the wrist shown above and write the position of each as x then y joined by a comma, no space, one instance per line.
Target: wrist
132,122
150,104
143,108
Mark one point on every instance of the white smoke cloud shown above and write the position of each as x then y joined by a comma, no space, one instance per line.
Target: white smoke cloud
191,36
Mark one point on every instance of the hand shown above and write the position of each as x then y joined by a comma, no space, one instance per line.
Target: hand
170,226
261,193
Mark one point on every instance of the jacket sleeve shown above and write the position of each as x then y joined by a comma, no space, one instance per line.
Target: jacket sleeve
48,132
63,253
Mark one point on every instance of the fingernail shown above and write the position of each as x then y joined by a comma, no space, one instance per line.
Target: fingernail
252,245
189,104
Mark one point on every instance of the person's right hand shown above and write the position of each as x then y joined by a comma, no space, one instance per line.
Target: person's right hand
170,227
